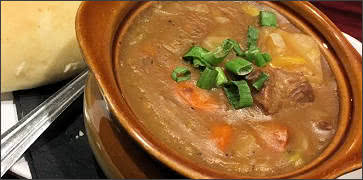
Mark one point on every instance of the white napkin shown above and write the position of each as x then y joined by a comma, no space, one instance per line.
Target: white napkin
9,117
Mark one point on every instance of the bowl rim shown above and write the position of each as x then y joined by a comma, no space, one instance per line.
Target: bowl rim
119,112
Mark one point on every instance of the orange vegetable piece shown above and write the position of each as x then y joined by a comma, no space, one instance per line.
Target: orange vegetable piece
196,97
274,135
221,134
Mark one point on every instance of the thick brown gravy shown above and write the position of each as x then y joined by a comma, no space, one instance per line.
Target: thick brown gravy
154,45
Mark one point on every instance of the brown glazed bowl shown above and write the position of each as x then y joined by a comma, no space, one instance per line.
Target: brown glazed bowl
99,24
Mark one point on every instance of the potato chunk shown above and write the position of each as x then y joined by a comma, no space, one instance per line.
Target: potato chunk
293,52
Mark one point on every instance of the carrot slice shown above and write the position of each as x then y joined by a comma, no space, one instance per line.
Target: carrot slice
197,98
221,134
274,135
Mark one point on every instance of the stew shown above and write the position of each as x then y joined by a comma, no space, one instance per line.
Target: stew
230,85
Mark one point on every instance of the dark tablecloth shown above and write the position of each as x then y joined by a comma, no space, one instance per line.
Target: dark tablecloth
347,15
62,153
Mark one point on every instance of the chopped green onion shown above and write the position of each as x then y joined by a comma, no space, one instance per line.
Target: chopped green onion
252,37
267,57
217,56
250,55
181,74
268,18
255,56
221,77
195,56
238,94
260,81
207,79
201,58
260,60
239,66
228,45
194,52
236,47
197,63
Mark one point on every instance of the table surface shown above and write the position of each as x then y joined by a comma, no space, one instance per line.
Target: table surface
63,150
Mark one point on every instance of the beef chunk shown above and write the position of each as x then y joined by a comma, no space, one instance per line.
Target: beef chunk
283,89
302,92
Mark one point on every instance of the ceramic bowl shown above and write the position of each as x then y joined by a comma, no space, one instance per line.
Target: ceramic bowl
98,24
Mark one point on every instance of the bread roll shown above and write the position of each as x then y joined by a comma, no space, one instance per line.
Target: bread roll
38,43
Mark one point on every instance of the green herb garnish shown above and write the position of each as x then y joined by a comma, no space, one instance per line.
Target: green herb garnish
181,74
236,47
238,94
267,57
221,77
217,56
197,63
268,18
260,60
252,37
195,56
250,55
239,66
207,79
258,84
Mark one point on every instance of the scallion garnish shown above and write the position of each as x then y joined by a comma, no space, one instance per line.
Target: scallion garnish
217,56
194,52
181,74
236,47
260,60
267,57
268,18
195,56
238,94
239,66
228,45
221,77
197,63
252,37
207,79
250,55
260,81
